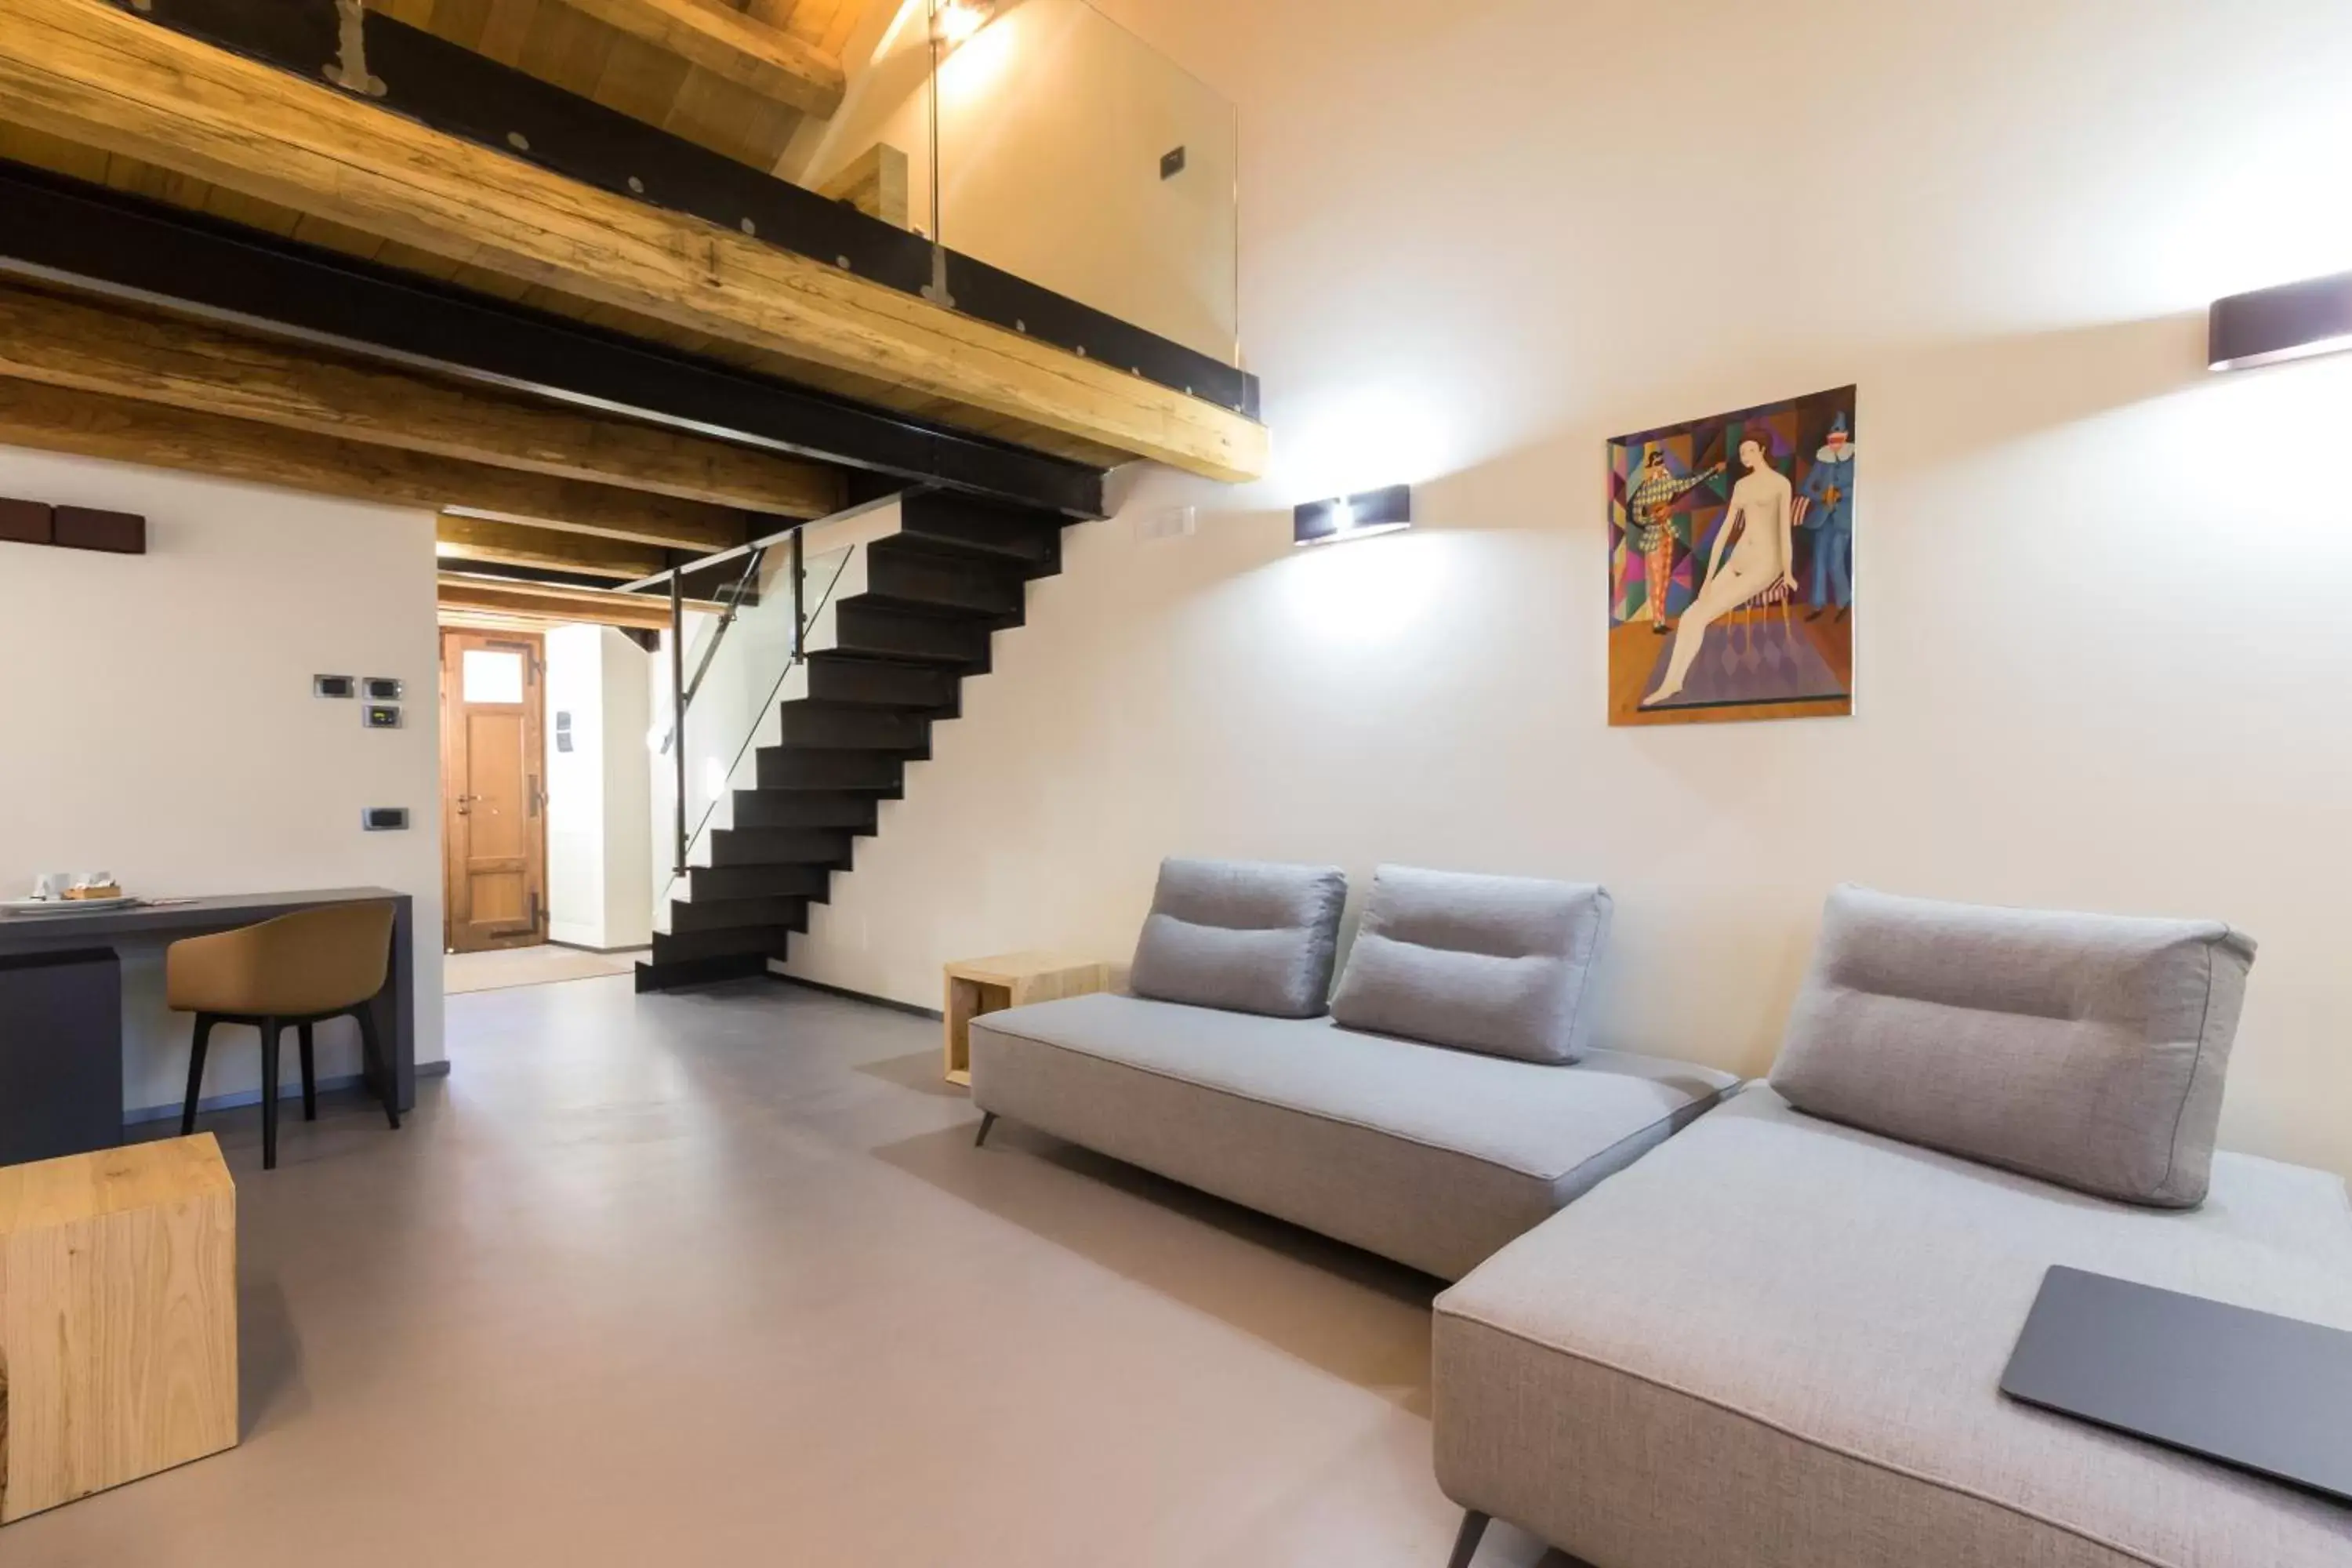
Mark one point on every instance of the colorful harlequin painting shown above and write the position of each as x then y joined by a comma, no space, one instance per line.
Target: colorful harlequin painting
1731,565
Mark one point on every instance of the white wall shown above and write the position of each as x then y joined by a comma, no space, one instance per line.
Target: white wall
159,721
2104,653
599,794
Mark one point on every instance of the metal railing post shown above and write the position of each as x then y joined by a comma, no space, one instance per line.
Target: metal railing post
677,703
800,615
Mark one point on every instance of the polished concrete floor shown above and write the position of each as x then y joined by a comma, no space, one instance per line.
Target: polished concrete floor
720,1279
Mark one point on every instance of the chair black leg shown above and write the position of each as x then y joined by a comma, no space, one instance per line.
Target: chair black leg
309,1074
270,1028
1465,1544
202,1038
373,1067
987,1120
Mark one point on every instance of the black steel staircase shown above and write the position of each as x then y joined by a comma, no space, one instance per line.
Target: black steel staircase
935,592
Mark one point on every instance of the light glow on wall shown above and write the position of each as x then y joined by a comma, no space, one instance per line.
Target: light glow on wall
978,61
1358,438
1364,598
959,20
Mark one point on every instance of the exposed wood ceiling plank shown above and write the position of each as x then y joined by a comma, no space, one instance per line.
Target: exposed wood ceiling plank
733,47
828,24
64,342
547,602
516,545
81,70
572,50
60,419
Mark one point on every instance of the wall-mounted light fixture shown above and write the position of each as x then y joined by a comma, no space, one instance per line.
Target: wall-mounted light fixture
2295,320
1352,517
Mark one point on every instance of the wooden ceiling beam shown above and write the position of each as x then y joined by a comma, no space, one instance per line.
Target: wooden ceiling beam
483,621
592,606
101,77
117,246
183,364
515,544
731,46
60,419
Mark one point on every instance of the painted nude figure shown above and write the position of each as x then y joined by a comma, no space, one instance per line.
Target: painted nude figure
1762,504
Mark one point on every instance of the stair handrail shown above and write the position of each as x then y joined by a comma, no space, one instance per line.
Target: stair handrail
729,601
682,691
806,610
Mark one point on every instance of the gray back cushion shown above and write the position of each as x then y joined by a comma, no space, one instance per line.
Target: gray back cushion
2088,1050
1495,964
1241,935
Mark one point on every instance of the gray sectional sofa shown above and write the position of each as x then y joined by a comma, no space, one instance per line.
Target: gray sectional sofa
1777,1341
1775,1338
1448,1102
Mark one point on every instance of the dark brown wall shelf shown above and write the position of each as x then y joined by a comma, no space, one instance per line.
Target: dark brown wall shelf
72,527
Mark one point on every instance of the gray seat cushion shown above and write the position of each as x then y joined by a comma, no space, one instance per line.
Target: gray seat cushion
1777,1343
1430,1156
1487,963
1241,934
2086,1050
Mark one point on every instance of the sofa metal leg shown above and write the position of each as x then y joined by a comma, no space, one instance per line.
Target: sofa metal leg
987,1120
1466,1542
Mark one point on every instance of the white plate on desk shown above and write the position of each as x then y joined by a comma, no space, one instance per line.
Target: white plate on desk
65,906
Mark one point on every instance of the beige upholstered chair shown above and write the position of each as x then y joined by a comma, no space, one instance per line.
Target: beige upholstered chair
300,969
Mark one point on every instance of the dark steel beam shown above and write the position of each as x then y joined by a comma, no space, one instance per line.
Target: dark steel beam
90,237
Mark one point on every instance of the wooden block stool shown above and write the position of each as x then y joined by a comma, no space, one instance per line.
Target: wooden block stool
979,985
118,1318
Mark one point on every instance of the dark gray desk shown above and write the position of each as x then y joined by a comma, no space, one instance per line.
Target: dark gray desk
61,1011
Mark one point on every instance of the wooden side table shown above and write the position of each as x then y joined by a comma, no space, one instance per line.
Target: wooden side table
118,1318
979,985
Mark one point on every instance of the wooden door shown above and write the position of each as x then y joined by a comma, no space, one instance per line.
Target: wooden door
494,827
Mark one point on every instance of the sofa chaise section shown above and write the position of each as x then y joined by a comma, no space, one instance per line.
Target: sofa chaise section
1777,1343
1432,1156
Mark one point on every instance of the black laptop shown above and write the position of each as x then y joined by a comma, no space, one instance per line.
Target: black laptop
2265,1394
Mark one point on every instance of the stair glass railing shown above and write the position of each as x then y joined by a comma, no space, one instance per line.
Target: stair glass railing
1074,156
1047,141
736,672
